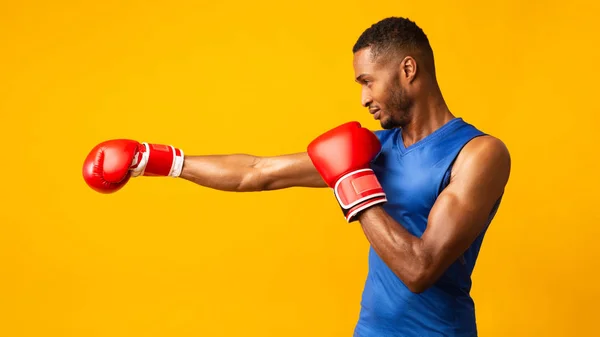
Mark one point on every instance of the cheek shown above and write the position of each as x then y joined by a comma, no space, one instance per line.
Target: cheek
378,94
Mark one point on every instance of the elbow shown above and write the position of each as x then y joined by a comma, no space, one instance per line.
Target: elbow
420,280
251,185
253,180
418,286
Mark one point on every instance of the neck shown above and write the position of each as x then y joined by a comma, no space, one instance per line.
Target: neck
428,114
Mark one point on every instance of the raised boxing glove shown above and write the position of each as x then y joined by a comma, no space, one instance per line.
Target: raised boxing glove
110,164
342,157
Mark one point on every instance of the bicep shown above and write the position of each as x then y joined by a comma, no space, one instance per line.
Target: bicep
291,170
463,209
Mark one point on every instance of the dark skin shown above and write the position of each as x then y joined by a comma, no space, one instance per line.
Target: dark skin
400,91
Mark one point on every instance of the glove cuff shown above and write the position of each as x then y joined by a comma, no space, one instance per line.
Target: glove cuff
357,191
352,213
158,160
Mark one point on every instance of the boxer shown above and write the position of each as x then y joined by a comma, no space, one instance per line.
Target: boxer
424,189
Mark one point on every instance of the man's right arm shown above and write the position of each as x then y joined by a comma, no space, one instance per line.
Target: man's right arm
248,173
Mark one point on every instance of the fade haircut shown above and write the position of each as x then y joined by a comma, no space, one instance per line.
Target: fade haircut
397,37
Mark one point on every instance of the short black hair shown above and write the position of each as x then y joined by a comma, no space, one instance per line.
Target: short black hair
394,34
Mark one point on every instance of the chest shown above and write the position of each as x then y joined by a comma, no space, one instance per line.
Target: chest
412,182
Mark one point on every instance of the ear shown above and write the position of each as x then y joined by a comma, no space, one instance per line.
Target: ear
408,69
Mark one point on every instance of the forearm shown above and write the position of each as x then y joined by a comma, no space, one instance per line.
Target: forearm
403,252
233,172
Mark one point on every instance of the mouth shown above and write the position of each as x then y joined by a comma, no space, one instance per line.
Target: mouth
375,112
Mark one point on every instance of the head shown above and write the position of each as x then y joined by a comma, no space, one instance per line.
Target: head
393,62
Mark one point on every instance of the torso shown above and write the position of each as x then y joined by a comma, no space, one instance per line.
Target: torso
412,178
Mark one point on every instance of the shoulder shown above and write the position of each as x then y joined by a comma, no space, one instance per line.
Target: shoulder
487,146
484,155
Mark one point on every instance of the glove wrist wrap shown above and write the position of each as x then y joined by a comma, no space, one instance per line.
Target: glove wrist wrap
358,190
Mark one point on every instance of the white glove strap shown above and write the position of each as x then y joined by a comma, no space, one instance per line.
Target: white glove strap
177,164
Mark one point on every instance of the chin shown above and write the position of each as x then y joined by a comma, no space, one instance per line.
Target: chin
387,123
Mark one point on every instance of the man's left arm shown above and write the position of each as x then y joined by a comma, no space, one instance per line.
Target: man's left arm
479,176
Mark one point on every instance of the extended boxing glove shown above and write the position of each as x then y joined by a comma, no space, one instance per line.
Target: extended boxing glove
342,157
110,164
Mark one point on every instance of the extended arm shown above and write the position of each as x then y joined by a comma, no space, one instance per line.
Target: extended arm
110,165
458,216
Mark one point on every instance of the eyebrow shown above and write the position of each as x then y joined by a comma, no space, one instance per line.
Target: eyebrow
360,77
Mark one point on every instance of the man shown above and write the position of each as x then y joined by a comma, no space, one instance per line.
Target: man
424,189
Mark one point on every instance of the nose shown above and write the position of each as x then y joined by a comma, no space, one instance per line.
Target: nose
365,97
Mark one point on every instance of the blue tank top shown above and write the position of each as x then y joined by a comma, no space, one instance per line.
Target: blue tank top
412,178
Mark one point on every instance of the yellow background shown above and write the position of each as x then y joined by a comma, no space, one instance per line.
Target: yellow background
164,257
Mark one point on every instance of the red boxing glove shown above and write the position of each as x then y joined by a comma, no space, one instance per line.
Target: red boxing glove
342,157
110,164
